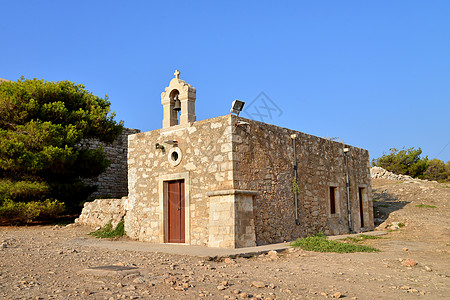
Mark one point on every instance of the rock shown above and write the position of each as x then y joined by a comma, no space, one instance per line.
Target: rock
139,280
221,287
409,262
4,245
258,284
273,255
228,260
427,268
225,283
179,288
405,249
86,292
337,295
243,295
236,292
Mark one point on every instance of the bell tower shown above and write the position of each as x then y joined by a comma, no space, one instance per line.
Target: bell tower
178,97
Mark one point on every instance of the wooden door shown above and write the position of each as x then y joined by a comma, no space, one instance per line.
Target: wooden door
176,211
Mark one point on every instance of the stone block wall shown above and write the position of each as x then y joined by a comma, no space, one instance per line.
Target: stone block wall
231,222
205,163
263,158
230,153
113,183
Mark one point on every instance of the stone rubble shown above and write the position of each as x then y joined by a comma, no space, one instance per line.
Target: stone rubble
378,172
99,212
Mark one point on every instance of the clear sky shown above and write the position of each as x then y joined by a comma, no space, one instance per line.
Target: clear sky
376,74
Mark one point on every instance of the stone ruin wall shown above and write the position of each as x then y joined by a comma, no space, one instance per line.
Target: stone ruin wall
264,157
113,183
101,211
380,173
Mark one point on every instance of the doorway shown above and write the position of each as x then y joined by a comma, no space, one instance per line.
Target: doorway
176,211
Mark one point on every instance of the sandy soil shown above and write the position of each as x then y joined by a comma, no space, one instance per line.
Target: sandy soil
41,262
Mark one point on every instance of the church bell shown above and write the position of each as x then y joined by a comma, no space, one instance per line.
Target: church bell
177,105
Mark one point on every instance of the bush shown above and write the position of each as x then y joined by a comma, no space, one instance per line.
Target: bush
437,170
25,212
22,190
107,232
406,162
409,162
42,126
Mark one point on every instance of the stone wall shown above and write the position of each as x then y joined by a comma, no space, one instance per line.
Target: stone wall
222,159
205,163
101,211
231,220
112,183
263,158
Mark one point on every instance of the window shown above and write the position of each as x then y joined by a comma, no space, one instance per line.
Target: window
332,200
361,209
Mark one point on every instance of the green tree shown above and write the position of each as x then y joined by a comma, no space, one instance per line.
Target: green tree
41,126
438,170
406,162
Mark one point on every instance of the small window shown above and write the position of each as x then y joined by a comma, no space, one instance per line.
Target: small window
361,208
332,200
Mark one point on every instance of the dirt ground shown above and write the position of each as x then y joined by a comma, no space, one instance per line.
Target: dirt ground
41,262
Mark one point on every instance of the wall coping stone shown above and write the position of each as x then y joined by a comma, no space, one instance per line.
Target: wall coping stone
231,192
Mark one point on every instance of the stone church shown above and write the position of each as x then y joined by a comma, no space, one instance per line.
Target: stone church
233,182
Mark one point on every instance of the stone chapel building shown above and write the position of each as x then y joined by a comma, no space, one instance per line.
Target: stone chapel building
230,182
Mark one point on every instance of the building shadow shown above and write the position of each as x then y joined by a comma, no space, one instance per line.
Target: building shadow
384,204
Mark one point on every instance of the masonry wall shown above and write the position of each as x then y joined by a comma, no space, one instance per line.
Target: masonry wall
263,159
206,161
113,183
102,211
231,153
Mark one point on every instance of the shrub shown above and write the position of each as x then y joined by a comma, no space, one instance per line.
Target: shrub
406,162
107,232
42,125
24,212
437,170
22,190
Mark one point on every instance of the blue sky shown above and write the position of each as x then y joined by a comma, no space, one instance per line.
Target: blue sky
376,74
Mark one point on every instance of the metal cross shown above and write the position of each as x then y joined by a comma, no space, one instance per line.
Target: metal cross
177,74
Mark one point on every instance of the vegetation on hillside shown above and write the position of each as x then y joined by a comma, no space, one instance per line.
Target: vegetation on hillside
409,162
108,232
320,243
42,163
